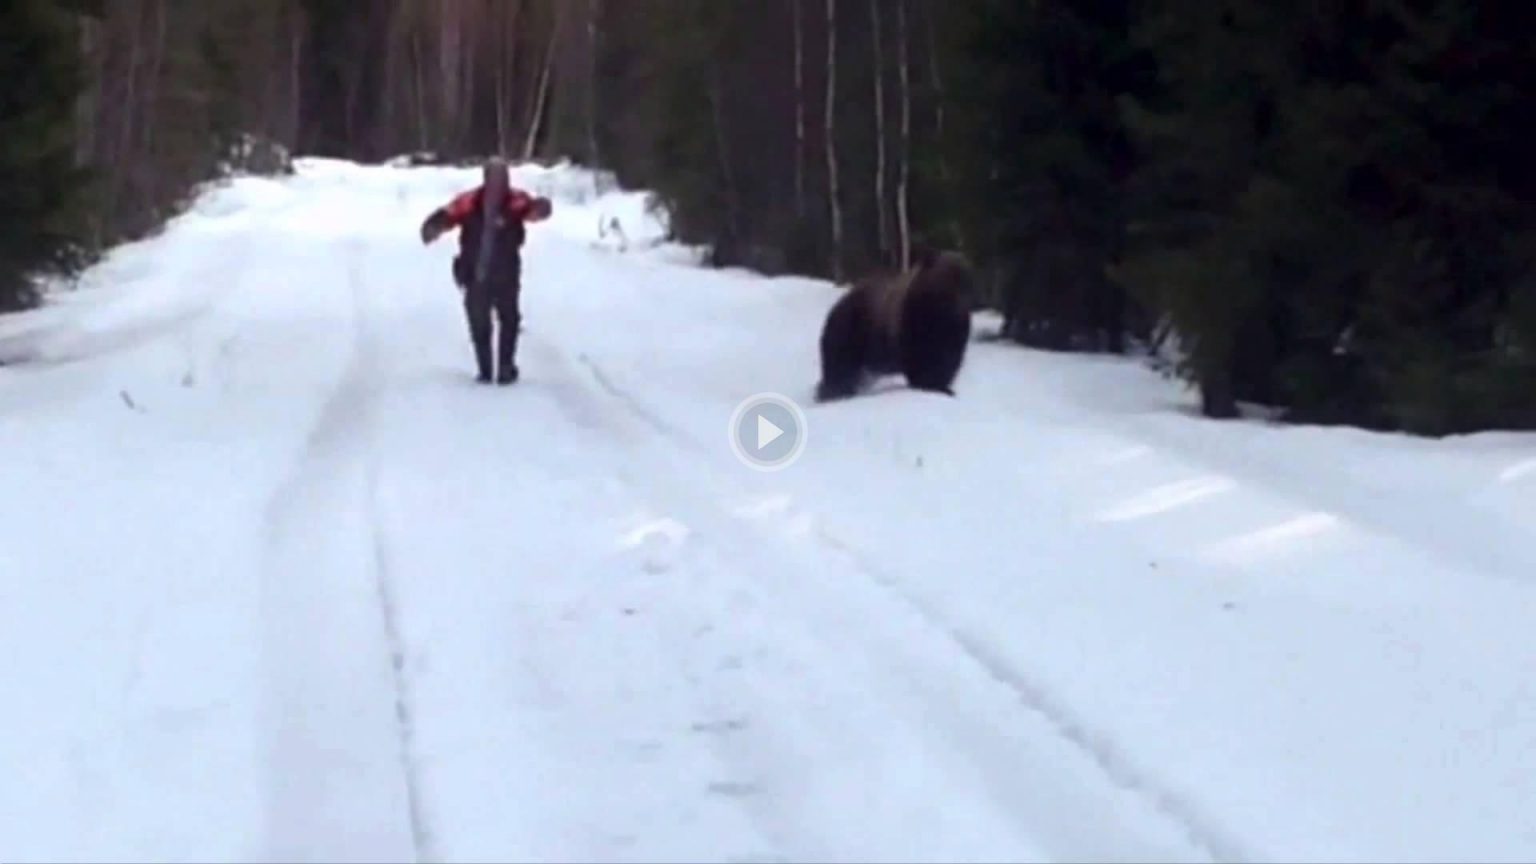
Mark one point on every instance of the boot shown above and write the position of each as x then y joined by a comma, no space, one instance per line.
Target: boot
506,350
483,361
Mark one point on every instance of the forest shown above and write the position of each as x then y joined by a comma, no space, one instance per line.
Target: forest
1324,210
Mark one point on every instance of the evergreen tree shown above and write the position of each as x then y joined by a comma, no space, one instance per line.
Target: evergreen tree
1331,208
1449,193
1332,215
687,93
1206,136
1049,158
44,189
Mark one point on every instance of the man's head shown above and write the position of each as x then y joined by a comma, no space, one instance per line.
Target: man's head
496,176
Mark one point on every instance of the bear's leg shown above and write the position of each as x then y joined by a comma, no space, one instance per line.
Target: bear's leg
933,343
842,351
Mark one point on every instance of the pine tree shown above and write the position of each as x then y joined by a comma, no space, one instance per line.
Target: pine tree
1448,190
1204,191
1049,158
1334,214
685,92
45,190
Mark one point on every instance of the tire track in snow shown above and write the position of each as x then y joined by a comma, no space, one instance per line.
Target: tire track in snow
572,394
1201,830
538,594
342,778
371,361
770,553
389,610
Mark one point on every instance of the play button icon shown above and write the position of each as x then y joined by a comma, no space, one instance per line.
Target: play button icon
767,431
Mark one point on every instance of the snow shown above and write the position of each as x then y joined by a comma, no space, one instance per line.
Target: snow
278,581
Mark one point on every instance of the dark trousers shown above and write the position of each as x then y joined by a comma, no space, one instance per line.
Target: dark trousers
481,301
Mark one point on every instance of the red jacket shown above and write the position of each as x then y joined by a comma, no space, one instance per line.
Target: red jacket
518,205
463,211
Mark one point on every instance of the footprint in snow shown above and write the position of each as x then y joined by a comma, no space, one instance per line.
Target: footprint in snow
733,789
718,727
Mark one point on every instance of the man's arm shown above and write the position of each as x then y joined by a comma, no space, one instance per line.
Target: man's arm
528,208
450,215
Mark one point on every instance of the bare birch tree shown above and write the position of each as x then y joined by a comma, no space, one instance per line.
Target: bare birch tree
882,221
903,217
831,143
799,38
510,15
539,109
594,48
939,96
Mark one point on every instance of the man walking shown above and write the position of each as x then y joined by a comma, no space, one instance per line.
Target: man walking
492,220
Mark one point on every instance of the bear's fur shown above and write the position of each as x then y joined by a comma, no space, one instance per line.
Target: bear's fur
916,323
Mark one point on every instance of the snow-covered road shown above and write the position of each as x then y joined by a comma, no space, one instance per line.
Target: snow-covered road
277,580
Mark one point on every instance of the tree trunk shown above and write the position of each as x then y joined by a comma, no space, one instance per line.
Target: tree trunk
732,198
831,143
295,79
89,100
882,221
469,68
541,100
449,51
120,156
351,90
506,73
903,218
936,81
1216,398
594,9
500,95
420,75
499,51
1218,391
150,191
799,27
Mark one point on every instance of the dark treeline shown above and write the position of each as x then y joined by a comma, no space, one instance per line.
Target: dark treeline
1322,207
1328,208
112,111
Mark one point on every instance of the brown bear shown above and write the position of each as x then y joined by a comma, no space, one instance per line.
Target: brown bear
916,323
